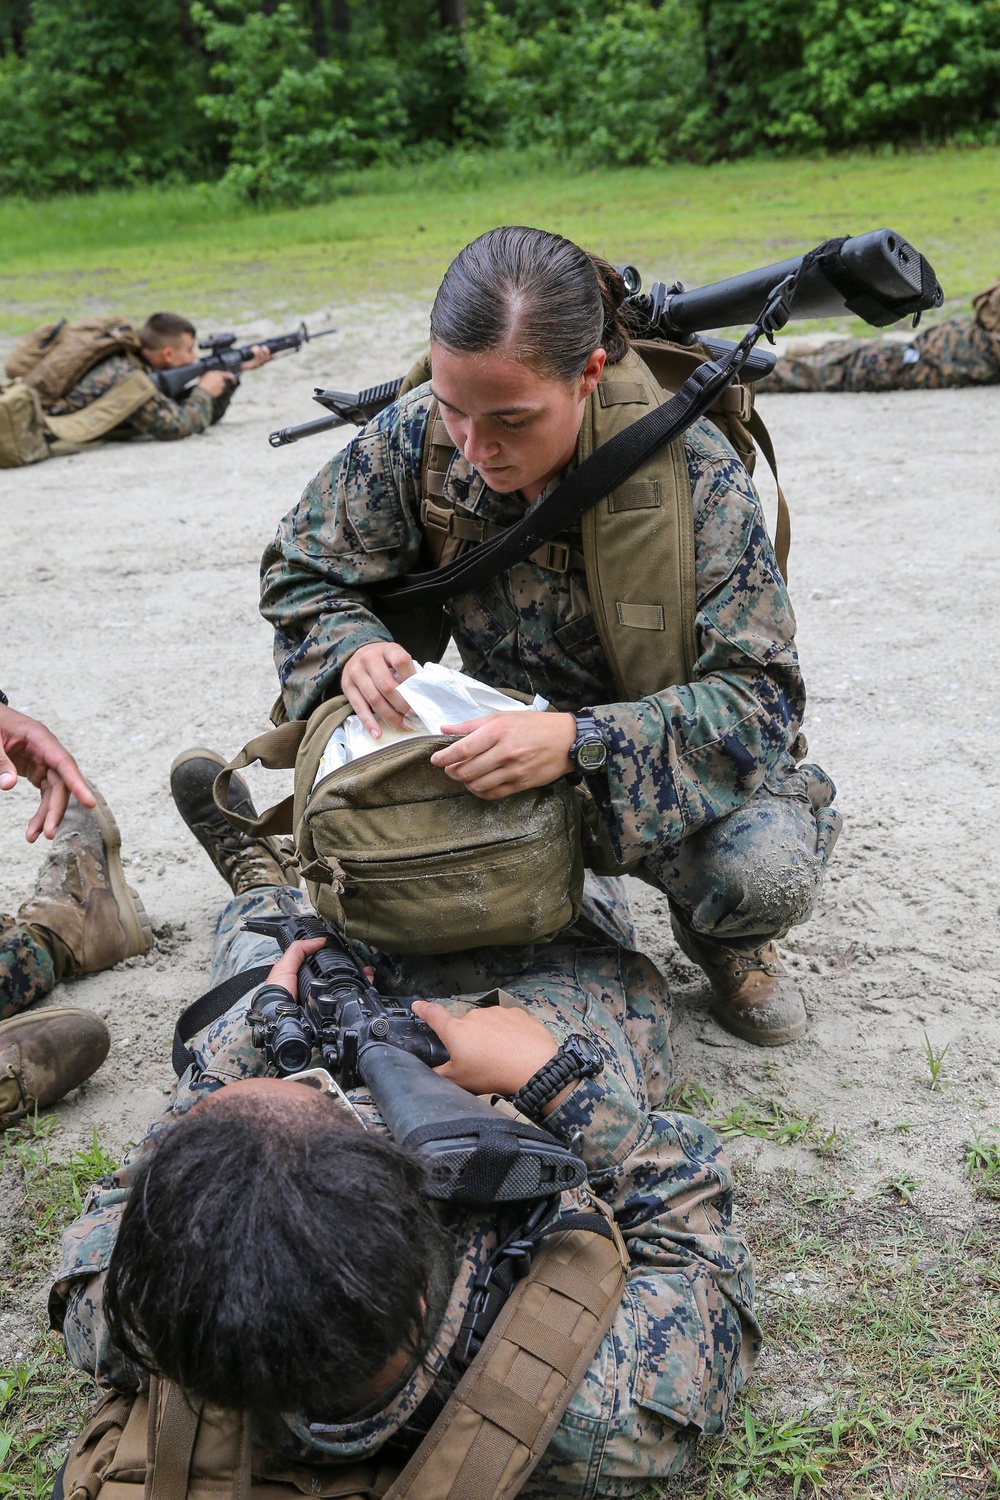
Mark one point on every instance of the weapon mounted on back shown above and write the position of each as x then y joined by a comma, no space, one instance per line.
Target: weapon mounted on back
224,354
878,276
471,1153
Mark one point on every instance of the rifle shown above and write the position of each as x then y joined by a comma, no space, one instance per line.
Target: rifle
877,276
472,1154
222,354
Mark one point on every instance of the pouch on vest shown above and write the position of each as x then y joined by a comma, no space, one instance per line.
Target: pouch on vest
490,1435
22,426
396,854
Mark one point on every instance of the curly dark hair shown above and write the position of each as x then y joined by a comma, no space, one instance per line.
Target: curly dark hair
273,1257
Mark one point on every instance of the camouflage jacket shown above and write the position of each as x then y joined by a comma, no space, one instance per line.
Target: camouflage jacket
159,417
679,758
685,1337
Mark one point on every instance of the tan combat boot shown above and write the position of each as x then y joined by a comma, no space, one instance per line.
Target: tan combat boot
81,895
244,861
752,995
45,1054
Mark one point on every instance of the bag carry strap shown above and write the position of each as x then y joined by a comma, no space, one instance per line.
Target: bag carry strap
498,1422
98,419
276,750
207,1009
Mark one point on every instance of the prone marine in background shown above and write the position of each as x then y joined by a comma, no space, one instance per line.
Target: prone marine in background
961,351
78,383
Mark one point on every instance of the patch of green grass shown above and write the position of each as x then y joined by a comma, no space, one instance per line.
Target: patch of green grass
43,1400
982,1161
393,231
892,1344
935,1060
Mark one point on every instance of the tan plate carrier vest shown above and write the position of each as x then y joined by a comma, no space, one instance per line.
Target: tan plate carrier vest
638,541
483,1446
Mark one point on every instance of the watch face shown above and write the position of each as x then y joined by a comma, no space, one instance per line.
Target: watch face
585,1050
591,755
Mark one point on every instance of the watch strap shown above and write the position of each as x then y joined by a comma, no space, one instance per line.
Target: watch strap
567,1066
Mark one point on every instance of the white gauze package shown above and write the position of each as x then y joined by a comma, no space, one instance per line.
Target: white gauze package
437,695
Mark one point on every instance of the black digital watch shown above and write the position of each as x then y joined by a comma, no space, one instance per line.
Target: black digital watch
577,1058
588,751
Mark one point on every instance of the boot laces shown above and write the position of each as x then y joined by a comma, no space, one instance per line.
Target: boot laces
746,963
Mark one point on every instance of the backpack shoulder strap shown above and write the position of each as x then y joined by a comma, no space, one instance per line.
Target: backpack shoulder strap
98,419
498,1422
638,542
783,525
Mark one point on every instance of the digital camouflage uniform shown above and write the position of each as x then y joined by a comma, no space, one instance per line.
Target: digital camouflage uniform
159,417
957,352
701,783
685,1337
28,971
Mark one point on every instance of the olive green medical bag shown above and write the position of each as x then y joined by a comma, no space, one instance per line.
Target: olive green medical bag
396,854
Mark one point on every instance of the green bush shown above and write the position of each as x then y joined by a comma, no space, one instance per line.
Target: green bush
802,74
103,98
287,119
613,82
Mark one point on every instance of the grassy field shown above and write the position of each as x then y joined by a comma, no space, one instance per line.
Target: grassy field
397,229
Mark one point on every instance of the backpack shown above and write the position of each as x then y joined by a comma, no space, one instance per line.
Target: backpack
486,1441
28,433
51,359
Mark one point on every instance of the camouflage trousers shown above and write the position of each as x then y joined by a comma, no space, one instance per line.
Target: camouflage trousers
27,970
748,877
957,352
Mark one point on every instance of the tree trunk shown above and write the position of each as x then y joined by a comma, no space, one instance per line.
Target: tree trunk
318,20
341,16
452,13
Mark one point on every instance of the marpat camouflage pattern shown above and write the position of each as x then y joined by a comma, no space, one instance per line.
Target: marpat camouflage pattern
27,971
685,1337
957,352
159,417
681,761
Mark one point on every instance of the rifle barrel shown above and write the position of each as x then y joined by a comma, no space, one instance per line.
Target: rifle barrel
286,435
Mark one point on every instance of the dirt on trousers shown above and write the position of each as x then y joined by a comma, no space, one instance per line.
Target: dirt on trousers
131,628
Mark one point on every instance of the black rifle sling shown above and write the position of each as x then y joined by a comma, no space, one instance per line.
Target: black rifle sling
207,1009
613,462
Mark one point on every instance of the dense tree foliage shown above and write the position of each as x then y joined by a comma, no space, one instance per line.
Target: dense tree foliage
277,96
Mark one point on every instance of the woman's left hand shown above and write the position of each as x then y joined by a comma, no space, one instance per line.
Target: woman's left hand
508,752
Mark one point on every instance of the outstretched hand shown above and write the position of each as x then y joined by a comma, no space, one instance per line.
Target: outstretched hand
508,752
494,1049
29,749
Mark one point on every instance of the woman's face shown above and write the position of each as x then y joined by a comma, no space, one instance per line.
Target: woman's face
517,427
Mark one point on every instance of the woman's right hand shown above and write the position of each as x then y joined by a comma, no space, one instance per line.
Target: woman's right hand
369,682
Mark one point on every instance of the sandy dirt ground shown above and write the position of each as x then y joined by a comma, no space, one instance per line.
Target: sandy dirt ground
131,627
